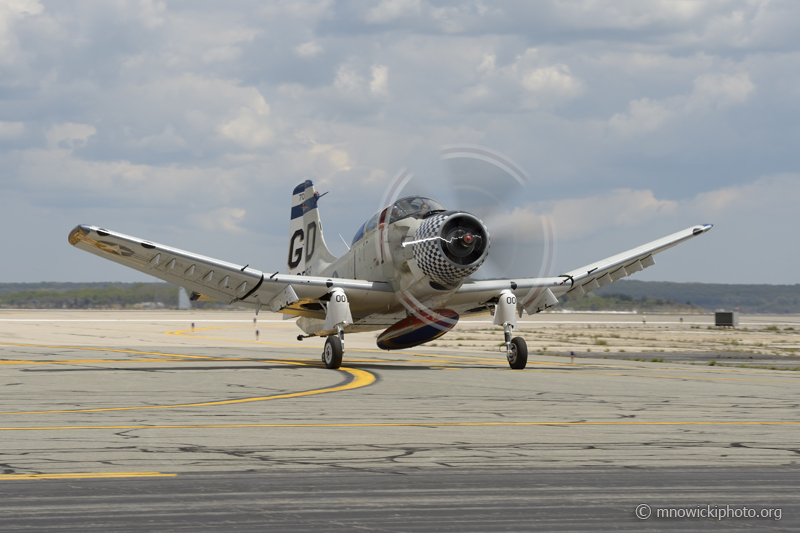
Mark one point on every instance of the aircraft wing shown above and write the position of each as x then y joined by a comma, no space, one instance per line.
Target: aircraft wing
220,280
532,294
609,270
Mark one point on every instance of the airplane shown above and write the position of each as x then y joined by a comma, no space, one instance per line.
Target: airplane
407,273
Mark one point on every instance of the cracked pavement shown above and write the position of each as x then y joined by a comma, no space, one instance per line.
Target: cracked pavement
215,400
433,407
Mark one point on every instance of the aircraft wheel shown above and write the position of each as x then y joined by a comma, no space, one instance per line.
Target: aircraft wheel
518,353
332,355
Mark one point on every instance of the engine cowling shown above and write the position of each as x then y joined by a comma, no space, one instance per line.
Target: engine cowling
450,246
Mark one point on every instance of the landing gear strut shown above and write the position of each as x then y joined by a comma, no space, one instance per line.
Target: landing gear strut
334,349
505,315
337,316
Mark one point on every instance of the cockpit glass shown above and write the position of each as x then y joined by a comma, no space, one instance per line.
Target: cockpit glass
414,206
411,206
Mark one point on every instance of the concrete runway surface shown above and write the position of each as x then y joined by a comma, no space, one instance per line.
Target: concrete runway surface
134,420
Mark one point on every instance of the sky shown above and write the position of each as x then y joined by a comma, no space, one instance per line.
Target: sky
189,123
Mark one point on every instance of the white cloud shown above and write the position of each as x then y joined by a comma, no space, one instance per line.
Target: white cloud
582,218
348,80
305,10
351,86
750,242
58,175
151,13
579,218
222,53
528,82
11,130
634,15
11,11
335,159
309,49
711,92
758,200
226,219
196,106
488,63
199,111
166,141
553,83
17,8
69,135
643,116
716,90
389,10
379,85
250,129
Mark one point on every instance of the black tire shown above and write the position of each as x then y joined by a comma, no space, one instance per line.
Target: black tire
518,356
332,354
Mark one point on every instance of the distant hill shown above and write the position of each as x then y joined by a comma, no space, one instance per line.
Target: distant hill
624,295
53,295
624,302
69,286
711,296
113,295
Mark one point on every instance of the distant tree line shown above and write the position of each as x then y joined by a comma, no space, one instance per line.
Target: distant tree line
624,295
112,296
626,302
67,286
101,295
711,296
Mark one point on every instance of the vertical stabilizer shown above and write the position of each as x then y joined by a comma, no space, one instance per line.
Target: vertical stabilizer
308,253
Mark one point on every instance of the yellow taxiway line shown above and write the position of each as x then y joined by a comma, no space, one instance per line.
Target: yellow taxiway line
360,378
190,333
81,475
440,365
113,350
476,358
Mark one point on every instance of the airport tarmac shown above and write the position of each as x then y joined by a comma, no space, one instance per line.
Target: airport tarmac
104,404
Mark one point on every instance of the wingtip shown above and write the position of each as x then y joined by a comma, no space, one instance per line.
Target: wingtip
77,234
702,228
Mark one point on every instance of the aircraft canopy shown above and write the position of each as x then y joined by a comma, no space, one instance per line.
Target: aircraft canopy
410,206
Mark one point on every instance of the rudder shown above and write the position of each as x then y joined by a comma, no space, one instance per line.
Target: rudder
308,253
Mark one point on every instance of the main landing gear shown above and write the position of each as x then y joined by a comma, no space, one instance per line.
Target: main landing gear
337,316
334,349
505,314
516,350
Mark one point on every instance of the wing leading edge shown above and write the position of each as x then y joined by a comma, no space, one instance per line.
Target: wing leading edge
301,295
226,282
532,293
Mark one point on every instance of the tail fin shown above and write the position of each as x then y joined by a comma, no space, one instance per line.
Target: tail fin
308,253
